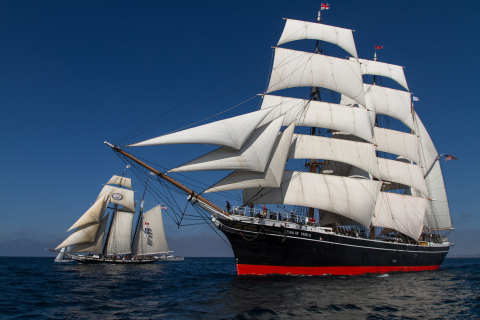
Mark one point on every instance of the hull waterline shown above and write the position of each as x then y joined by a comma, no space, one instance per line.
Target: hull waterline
261,250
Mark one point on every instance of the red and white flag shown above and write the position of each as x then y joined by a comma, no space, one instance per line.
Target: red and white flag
378,47
164,208
324,6
449,157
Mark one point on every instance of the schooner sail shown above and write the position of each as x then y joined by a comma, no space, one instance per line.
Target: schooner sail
110,239
368,220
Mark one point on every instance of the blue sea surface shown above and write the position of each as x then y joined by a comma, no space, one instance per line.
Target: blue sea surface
208,288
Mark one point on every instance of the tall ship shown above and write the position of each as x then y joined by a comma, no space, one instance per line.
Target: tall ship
369,199
114,237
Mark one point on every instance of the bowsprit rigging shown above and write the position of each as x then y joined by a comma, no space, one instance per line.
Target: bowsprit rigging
371,199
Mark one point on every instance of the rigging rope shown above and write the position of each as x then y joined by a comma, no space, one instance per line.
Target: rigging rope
129,136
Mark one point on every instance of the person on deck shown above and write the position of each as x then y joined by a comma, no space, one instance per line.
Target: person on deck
292,216
264,211
228,207
251,208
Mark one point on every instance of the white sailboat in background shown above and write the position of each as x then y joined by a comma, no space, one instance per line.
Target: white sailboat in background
110,240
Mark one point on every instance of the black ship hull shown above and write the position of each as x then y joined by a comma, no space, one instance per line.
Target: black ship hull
277,249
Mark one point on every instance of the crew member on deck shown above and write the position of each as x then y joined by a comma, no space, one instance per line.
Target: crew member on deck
228,207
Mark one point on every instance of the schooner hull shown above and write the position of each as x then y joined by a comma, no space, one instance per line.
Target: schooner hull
277,250
89,260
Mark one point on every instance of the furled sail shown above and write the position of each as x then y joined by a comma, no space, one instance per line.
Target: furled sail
351,198
438,192
390,102
299,30
404,173
428,152
120,239
309,113
150,237
302,69
97,244
391,71
396,142
400,212
93,214
119,196
359,154
271,177
231,132
252,156
83,234
121,181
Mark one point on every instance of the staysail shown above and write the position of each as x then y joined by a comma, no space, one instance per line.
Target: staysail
93,215
252,156
82,234
97,244
231,132
271,177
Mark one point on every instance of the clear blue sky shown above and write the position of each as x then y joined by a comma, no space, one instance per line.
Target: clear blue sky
76,73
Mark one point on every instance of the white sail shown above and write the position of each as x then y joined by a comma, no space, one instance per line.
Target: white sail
61,254
120,238
271,177
346,101
359,154
400,212
396,142
252,156
404,173
301,69
391,71
299,30
93,214
440,206
351,198
121,181
123,197
150,237
83,234
97,245
428,152
390,102
231,132
308,113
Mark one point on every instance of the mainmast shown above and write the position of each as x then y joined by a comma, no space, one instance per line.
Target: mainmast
140,212
167,178
315,96
104,251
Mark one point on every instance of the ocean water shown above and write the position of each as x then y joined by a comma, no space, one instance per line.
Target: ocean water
208,288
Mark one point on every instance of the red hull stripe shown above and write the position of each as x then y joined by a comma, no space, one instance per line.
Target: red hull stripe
316,271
